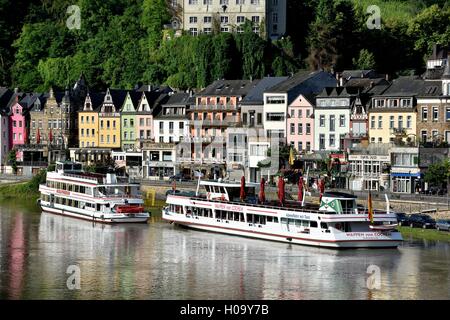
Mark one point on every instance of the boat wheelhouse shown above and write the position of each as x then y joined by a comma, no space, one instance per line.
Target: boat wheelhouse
91,196
336,222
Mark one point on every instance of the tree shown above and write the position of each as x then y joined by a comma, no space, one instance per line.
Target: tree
438,173
155,14
429,27
12,160
365,61
333,35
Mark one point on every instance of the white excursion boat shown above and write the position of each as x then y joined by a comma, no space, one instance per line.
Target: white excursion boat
337,222
96,197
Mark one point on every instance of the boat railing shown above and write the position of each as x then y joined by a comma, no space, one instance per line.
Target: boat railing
296,209
96,179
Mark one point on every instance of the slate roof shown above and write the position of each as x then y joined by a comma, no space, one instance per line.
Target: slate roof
256,95
118,97
368,74
235,88
340,92
431,89
96,100
177,99
405,87
304,82
5,97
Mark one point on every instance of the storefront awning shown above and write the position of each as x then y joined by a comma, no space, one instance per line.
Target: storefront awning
407,175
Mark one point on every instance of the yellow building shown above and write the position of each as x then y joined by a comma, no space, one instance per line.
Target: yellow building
385,125
88,123
393,113
109,127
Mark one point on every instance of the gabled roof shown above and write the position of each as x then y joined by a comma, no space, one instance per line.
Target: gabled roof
431,89
118,97
340,92
256,95
234,88
5,97
96,100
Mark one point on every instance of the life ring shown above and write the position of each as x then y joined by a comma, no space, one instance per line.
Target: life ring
222,197
338,226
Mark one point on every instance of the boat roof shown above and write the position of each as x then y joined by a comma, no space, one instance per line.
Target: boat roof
227,184
342,195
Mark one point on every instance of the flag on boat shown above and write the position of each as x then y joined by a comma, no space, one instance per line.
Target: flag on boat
300,189
281,192
262,195
291,157
370,208
242,194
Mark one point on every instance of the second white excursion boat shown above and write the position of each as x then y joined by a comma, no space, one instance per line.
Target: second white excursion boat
72,192
336,223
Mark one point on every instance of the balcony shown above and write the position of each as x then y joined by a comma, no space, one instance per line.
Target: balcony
226,122
213,107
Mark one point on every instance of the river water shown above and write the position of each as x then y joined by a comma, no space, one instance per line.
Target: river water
161,261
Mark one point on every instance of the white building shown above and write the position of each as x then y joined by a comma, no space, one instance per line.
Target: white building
332,118
171,124
158,161
278,98
202,16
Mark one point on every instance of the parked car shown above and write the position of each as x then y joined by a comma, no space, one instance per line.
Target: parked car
402,219
443,224
422,221
179,177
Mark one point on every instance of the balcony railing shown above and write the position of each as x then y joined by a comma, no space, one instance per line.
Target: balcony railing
213,107
226,122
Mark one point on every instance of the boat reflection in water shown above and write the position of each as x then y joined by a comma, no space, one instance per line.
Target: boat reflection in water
160,261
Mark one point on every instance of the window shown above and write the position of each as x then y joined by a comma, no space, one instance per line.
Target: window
391,122
308,146
308,113
321,141
405,103
207,30
372,122
275,100
447,114
255,19
114,124
292,128
125,122
424,113
423,135
322,120
101,124
380,122
408,122
332,123
240,19
255,2
434,133
274,17
82,119
207,2
33,124
82,132
300,128
342,120
193,31
400,122
259,118
332,140
300,146
193,2
192,19
435,113
292,113
380,140
278,116
308,128
207,19
223,19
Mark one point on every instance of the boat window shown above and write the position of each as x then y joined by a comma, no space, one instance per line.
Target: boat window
236,216
313,224
284,220
298,223
241,217
275,219
305,223
324,225
269,219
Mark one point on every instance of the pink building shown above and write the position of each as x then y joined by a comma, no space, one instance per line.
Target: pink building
19,122
300,123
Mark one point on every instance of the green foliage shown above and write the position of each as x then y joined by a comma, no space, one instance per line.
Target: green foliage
122,42
438,173
12,160
365,61
431,26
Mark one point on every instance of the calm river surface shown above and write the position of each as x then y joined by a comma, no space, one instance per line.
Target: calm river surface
160,261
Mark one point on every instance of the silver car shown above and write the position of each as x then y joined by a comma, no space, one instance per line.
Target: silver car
443,224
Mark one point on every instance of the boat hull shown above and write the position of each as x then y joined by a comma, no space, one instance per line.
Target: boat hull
107,219
336,244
